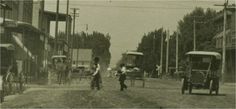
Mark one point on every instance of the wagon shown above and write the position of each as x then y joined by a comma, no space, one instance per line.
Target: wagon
202,71
60,66
133,64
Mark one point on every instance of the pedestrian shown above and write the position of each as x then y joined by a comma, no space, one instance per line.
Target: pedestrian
157,71
96,77
122,78
109,72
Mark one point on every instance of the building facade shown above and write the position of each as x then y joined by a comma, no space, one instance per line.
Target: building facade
21,10
28,39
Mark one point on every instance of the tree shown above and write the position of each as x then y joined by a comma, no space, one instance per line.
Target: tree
98,42
204,35
150,46
204,31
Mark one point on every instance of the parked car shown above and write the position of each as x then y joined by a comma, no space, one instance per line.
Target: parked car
202,71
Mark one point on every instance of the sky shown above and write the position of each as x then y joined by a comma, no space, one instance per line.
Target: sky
128,20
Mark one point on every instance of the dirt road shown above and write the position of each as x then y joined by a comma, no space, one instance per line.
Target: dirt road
157,93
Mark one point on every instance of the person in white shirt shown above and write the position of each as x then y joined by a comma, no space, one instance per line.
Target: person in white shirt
122,78
109,72
96,74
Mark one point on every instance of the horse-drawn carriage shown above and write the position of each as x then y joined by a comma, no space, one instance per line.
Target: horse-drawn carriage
61,68
9,76
202,71
133,64
81,71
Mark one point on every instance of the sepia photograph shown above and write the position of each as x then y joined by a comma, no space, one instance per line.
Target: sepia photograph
131,54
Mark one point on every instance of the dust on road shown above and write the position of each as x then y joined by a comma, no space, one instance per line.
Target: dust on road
157,93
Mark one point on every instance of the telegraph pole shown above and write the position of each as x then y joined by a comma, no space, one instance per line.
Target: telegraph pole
194,32
154,39
67,21
224,39
194,35
56,29
167,50
161,60
177,51
73,36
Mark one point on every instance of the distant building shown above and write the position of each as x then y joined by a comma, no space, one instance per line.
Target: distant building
230,41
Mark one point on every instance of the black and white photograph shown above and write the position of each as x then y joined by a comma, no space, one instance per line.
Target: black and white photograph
131,54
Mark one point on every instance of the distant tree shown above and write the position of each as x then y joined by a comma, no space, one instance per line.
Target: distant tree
204,31
98,42
150,46
204,35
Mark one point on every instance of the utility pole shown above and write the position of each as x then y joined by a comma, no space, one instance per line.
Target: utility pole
87,29
224,39
194,32
177,51
194,35
67,21
73,36
161,60
167,51
154,43
56,30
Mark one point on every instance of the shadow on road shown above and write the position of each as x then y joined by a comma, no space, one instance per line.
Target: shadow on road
206,94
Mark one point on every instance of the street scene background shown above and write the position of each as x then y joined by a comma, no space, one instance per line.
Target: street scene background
54,51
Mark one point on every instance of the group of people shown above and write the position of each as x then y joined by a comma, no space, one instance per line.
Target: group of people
96,76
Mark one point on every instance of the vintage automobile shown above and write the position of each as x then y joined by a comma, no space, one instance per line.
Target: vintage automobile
60,66
202,71
133,64
81,71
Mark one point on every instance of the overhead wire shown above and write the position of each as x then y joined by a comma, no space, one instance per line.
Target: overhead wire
168,6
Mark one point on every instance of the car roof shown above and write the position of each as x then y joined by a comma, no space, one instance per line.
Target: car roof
58,56
206,53
8,46
134,53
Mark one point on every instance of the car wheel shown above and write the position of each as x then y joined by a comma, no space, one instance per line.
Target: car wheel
190,88
217,86
217,91
183,85
211,87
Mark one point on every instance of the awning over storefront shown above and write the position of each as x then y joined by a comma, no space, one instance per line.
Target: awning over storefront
21,45
7,46
19,25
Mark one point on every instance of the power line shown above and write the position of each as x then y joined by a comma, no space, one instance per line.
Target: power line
137,7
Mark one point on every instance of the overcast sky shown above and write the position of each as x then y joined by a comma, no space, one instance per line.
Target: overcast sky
127,20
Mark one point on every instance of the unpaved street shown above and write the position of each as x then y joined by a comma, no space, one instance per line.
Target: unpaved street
157,93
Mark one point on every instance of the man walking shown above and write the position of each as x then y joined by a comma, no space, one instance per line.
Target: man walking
96,74
122,78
